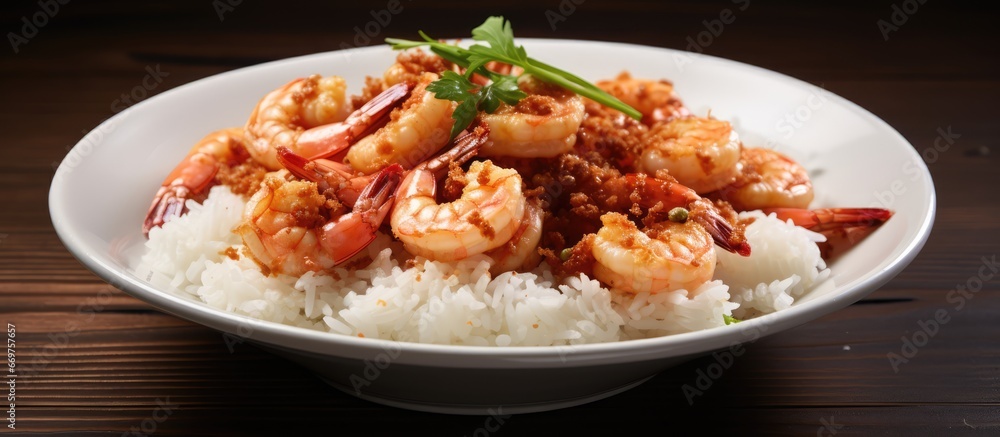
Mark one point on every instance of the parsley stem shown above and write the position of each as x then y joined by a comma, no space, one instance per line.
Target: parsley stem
587,89
454,54
503,88
460,56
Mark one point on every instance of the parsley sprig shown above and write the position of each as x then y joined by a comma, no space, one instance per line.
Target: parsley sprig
473,98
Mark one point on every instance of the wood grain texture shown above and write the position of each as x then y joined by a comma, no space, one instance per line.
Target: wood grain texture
95,361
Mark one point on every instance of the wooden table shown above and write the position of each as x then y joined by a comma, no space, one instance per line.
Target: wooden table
924,68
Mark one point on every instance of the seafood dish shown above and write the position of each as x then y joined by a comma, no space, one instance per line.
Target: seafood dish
477,196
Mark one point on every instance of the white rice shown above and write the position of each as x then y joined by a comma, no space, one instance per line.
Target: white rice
460,302
784,263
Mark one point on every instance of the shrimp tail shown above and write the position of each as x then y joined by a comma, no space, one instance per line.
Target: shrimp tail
194,175
329,174
168,203
467,146
650,191
315,170
842,227
823,219
722,233
352,232
328,140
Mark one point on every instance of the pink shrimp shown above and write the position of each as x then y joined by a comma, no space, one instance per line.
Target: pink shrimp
289,227
487,215
277,121
195,174
305,116
346,183
649,192
842,227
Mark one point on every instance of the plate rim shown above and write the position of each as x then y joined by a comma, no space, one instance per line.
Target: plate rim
694,342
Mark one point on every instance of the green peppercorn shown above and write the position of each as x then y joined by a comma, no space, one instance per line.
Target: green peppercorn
678,215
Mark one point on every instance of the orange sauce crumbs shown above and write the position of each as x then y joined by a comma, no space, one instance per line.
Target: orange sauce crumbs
483,178
243,179
361,335
380,303
534,325
384,147
537,105
485,228
232,253
581,260
455,183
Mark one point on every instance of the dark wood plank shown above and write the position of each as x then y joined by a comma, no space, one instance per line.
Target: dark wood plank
124,366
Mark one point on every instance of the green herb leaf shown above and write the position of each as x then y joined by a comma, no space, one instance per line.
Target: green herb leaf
477,64
464,115
730,319
457,88
503,90
499,33
472,98
453,86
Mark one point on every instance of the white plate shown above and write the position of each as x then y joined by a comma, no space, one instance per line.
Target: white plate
856,158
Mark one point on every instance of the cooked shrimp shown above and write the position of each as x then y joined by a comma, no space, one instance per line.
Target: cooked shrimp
196,173
767,179
663,257
594,189
330,176
665,195
310,117
700,152
288,226
411,65
415,131
842,227
542,125
655,99
521,251
487,214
